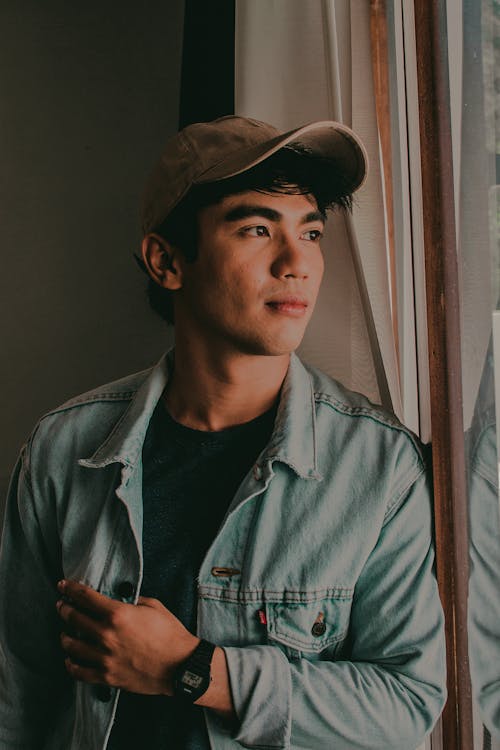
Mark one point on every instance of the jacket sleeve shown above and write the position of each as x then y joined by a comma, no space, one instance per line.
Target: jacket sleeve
32,675
389,690
484,582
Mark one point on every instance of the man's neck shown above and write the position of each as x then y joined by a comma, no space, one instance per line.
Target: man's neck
212,393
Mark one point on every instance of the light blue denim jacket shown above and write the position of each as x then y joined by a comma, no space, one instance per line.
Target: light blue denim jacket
329,535
484,582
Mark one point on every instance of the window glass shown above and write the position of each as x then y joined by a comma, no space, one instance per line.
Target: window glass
480,339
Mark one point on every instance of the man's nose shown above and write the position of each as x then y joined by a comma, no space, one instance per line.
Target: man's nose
291,259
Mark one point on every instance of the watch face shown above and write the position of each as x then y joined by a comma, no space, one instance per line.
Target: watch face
191,679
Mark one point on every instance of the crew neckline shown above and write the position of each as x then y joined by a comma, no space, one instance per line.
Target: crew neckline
212,436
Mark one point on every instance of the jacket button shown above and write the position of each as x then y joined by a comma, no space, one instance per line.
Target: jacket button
125,590
318,629
102,693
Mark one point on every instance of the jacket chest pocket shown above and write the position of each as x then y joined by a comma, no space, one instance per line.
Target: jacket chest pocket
312,630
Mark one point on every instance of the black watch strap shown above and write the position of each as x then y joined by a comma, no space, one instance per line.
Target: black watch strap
202,655
192,678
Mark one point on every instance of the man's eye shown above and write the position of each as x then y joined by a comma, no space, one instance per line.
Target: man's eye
313,234
257,231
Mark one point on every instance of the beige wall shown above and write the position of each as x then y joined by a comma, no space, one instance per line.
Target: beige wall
89,93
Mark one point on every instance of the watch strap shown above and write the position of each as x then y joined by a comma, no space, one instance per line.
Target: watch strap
201,658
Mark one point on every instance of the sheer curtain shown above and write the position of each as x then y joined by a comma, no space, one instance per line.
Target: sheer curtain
297,62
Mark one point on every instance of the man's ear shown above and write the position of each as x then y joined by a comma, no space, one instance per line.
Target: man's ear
162,260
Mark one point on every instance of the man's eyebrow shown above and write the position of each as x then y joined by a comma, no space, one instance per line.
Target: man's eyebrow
314,216
245,211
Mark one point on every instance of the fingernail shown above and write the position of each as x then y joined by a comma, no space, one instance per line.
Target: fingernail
59,604
61,585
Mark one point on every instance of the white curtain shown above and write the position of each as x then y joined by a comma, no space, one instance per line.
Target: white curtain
301,61
476,130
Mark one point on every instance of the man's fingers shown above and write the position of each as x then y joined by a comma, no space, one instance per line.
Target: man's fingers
84,674
78,621
86,598
81,652
148,601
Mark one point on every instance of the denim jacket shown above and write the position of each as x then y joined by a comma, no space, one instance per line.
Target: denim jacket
319,584
484,582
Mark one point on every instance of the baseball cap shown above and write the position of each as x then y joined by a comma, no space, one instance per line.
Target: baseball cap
211,151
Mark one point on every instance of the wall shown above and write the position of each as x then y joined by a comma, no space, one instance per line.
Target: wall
89,95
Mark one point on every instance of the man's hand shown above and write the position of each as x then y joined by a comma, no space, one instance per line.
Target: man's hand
133,647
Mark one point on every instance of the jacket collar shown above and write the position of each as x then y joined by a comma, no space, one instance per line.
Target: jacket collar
293,440
294,436
125,441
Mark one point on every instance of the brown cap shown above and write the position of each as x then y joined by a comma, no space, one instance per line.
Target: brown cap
212,151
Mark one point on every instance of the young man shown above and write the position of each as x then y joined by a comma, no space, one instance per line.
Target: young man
236,549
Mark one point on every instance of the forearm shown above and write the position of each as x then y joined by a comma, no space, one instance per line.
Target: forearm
111,649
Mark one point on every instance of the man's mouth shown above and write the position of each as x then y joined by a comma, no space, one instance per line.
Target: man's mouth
294,306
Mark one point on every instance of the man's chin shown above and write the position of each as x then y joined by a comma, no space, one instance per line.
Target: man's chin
276,347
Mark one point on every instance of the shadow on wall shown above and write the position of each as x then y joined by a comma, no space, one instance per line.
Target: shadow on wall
90,96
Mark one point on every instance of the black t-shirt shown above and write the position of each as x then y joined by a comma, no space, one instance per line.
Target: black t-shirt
189,480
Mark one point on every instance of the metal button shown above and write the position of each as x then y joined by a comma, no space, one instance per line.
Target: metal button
102,693
125,590
319,628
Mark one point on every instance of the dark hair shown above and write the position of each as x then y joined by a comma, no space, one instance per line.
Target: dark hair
293,170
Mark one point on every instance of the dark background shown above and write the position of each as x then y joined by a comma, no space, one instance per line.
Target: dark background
90,92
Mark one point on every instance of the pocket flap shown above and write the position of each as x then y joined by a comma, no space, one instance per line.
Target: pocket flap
311,626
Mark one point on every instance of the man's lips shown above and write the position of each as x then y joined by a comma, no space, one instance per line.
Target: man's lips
295,306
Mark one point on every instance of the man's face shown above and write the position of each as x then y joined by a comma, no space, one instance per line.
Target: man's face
253,286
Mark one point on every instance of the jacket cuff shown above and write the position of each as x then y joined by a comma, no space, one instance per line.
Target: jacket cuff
261,688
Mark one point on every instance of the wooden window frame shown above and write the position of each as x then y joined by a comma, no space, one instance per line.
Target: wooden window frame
445,372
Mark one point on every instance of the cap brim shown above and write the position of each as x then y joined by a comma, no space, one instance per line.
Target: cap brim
328,139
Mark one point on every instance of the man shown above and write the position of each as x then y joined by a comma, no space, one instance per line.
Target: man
243,547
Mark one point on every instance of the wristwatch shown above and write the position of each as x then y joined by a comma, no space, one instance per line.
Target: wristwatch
192,678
